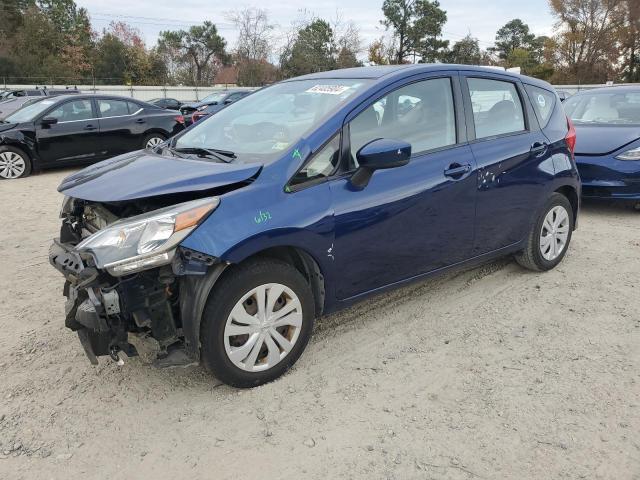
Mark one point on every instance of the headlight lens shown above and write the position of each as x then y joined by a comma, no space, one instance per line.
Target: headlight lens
147,240
633,154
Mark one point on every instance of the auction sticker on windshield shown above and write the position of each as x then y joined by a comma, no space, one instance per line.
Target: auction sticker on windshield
328,89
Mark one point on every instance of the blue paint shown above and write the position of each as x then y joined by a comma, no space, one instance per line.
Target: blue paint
406,223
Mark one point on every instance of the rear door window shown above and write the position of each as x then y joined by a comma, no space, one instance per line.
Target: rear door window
497,108
543,102
112,108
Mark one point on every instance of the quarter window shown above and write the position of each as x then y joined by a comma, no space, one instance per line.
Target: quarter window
543,102
497,108
73,111
321,165
112,108
421,113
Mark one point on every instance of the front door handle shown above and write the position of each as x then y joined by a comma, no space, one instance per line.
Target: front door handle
90,127
140,120
456,170
539,149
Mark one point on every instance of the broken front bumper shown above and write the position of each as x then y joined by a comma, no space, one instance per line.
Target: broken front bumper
91,307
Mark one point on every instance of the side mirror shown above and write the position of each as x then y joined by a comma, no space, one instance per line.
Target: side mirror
227,102
377,155
48,121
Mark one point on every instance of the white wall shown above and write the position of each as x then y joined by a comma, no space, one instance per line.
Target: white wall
142,93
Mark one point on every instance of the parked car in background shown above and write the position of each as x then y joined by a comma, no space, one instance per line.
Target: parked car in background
168,103
608,147
214,102
208,110
224,244
16,99
79,129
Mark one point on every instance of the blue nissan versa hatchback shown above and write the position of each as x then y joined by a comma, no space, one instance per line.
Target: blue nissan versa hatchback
223,244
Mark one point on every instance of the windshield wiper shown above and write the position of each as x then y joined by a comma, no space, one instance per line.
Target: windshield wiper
222,155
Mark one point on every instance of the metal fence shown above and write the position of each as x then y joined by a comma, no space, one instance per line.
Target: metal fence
140,92
184,93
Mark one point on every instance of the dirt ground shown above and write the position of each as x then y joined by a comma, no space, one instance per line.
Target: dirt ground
494,372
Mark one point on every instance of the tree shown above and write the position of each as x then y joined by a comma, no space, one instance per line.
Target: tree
427,30
200,48
313,49
416,27
379,52
465,51
587,42
254,46
511,36
630,41
348,44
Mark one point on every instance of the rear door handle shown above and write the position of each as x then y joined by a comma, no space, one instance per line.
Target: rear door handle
539,149
90,127
456,170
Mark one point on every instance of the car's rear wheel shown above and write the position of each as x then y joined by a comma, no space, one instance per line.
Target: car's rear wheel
550,236
14,163
257,323
153,140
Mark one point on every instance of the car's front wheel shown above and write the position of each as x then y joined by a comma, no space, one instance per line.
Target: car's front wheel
550,236
257,322
14,163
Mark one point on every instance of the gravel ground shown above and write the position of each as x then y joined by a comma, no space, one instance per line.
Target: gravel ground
494,372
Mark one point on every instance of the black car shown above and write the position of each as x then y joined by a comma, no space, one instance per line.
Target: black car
168,103
80,129
219,100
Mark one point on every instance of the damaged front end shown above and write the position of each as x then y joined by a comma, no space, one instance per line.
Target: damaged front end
130,286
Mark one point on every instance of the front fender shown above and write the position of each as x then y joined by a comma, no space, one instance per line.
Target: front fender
261,216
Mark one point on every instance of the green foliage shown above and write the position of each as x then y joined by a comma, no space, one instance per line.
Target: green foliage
416,26
313,50
465,52
199,51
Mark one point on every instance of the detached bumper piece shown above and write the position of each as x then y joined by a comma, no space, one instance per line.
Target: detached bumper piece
108,313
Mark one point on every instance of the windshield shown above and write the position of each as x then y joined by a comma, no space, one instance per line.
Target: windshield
271,120
214,97
29,112
605,108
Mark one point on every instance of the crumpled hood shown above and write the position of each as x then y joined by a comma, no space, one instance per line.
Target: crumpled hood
144,174
601,140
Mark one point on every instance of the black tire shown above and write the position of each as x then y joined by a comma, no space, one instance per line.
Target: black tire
231,287
150,136
531,257
25,158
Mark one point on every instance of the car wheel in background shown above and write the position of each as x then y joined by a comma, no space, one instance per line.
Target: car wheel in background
153,140
549,239
257,322
14,163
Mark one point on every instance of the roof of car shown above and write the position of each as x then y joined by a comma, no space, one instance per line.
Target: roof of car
381,72
610,89
59,98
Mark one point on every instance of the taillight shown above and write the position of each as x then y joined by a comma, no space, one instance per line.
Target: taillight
571,136
179,119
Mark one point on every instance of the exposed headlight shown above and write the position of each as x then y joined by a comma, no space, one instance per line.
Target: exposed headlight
633,154
148,240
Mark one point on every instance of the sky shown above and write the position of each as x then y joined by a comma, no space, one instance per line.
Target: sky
481,18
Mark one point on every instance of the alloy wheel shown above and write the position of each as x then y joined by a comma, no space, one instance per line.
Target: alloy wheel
555,232
154,142
263,327
12,165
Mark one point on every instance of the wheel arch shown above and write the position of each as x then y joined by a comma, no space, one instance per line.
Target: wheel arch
572,195
196,290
